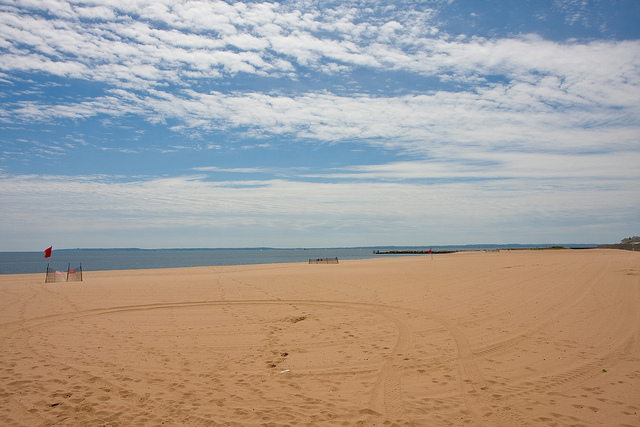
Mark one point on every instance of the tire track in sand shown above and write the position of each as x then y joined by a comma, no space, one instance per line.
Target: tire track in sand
475,390
386,395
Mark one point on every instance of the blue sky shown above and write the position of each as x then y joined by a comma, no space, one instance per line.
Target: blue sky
160,124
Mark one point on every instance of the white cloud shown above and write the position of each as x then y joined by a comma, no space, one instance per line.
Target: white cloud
534,118
539,167
514,116
215,39
98,205
574,10
101,13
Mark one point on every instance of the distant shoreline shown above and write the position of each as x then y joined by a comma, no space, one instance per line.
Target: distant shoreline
474,246
136,259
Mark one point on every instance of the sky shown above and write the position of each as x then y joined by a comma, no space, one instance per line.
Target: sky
168,124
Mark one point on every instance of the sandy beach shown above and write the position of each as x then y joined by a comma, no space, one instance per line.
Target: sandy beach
527,337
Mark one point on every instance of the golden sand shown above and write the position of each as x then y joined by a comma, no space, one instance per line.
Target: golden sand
489,338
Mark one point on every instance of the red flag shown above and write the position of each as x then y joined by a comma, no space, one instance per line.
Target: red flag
429,250
47,252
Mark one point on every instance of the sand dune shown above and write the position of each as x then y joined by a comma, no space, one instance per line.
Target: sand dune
494,339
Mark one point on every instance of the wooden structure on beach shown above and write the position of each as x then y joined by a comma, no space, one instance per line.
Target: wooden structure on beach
324,261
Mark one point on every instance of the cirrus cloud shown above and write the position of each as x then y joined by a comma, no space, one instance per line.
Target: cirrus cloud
297,114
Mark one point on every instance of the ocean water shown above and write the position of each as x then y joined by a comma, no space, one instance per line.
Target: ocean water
131,259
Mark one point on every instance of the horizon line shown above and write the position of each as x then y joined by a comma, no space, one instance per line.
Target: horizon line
321,247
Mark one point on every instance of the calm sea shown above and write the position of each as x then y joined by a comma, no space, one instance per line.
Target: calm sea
131,259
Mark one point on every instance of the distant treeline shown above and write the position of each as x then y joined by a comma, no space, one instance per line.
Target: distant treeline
634,239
